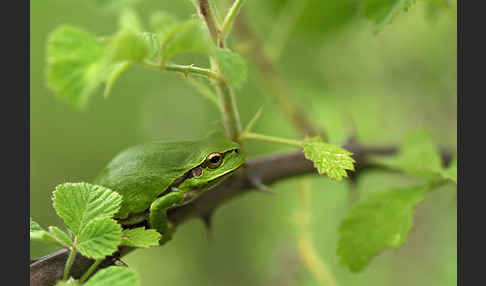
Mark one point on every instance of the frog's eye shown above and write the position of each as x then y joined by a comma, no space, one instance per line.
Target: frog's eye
214,160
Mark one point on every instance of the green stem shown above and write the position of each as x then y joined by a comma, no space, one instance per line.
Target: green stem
229,20
229,109
253,121
261,137
307,252
192,69
90,270
227,99
69,262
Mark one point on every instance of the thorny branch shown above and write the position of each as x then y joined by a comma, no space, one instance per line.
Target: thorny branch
256,174
267,170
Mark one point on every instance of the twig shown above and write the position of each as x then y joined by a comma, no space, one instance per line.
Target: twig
205,12
278,89
193,70
306,249
229,19
227,99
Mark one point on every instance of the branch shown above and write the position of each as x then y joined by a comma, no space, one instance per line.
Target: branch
231,118
204,9
268,169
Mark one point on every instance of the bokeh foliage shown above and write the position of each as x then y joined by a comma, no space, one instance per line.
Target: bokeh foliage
343,73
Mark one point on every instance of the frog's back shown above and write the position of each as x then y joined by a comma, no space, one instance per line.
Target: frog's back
143,172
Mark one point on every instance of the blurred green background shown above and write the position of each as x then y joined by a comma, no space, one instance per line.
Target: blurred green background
336,68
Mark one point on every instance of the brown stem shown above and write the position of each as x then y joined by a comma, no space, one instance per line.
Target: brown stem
278,89
267,170
205,12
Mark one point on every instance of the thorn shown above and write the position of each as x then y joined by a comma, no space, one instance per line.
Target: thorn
256,182
354,128
207,220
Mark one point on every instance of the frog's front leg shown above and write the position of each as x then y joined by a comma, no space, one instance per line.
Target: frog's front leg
158,214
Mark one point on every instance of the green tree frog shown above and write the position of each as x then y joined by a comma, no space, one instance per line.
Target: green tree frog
155,177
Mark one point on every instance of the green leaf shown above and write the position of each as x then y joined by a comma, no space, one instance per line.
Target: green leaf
187,37
419,156
129,20
384,220
232,66
128,45
79,203
328,158
39,234
75,64
61,236
382,12
162,23
114,275
115,73
451,171
99,238
140,237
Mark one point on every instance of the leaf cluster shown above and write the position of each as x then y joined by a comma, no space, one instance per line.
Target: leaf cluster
88,211
78,62
384,219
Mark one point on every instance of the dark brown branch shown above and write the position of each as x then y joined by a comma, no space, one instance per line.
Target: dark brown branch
205,12
267,169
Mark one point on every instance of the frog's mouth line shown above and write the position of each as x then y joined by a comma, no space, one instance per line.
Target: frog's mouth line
139,219
196,172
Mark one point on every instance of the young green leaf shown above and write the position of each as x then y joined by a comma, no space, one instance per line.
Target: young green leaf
75,64
187,37
128,45
114,275
451,171
232,66
381,221
79,203
61,236
140,237
99,238
328,158
117,70
382,12
39,234
419,156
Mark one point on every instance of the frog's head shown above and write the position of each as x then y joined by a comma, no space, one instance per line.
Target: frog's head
220,157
